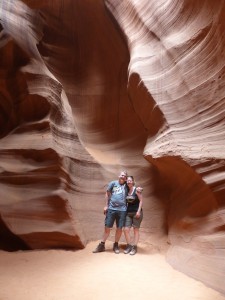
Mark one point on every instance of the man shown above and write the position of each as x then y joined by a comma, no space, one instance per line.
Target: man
115,210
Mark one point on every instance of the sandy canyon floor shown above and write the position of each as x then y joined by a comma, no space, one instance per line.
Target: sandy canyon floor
68,275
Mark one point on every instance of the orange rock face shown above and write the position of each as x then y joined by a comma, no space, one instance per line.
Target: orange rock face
89,88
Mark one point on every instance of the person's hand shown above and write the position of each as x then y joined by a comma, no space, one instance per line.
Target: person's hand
137,216
139,189
105,209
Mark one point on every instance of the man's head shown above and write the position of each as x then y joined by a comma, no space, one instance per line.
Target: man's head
122,177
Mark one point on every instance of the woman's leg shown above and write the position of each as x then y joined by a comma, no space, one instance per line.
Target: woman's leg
136,236
136,239
128,240
127,234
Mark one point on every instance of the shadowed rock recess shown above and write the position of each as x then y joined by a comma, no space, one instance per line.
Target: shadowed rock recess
88,88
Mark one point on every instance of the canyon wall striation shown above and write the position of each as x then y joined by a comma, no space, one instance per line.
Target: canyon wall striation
88,88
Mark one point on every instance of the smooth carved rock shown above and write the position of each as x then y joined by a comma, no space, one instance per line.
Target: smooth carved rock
176,52
91,87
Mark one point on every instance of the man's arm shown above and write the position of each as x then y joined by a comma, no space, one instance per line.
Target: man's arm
107,197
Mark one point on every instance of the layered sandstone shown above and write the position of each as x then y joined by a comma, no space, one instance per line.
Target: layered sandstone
92,87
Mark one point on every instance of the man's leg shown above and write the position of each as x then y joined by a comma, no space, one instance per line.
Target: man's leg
106,234
120,221
117,238
109,221
118,234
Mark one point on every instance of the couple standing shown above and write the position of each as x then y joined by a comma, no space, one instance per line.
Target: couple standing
123,205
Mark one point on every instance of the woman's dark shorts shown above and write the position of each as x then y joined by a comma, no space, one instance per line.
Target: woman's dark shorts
132,221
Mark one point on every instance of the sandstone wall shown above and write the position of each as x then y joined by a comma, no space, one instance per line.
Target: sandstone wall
88,88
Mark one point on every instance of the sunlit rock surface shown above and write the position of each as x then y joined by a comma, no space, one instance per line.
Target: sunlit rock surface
92,87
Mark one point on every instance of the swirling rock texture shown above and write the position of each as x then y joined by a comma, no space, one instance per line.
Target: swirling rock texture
91,87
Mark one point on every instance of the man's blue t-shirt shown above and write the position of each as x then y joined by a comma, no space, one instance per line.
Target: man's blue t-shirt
117,200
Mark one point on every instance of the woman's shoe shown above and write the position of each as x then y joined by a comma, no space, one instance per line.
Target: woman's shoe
128,249
133,250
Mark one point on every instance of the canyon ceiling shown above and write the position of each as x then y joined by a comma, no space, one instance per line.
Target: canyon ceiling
88,88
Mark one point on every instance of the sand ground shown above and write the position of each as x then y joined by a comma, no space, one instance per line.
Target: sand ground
69,275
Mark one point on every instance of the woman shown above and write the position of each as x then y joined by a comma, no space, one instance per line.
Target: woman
134,216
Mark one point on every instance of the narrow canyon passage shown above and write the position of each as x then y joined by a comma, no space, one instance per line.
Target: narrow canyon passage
88,88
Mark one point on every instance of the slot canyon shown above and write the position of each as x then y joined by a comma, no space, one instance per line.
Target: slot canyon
90,88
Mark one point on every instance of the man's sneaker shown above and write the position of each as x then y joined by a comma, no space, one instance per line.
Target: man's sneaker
116,248
128,249
100,248
133,250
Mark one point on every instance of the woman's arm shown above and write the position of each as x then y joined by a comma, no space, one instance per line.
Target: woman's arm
140,197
